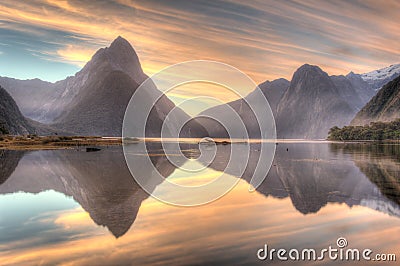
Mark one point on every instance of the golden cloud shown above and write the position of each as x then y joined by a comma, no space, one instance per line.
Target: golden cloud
76,55
265,39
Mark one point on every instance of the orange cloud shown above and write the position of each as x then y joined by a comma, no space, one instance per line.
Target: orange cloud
76,55
265,39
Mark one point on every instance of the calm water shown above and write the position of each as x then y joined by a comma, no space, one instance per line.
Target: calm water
76,208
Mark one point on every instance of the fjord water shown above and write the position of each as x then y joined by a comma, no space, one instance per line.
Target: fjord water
77,208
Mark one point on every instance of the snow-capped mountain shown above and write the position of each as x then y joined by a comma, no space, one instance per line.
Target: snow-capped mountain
380,77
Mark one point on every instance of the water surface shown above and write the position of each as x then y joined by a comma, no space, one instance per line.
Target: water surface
77,208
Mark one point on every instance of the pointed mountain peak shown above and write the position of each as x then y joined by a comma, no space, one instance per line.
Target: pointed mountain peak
120,56
119,43
354,76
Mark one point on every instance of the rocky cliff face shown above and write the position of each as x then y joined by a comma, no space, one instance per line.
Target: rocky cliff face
385,106
311,106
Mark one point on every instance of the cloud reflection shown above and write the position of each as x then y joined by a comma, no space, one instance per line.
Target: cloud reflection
230,229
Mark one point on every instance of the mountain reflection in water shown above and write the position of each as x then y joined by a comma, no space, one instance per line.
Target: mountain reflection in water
311,174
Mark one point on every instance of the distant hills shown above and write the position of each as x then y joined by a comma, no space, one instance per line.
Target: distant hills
94,100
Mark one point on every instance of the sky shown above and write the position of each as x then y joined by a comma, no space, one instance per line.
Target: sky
52,39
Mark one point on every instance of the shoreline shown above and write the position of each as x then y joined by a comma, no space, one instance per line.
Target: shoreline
9,142
54,142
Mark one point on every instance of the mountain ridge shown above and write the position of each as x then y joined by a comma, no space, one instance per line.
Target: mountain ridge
306,112
55,103
384,106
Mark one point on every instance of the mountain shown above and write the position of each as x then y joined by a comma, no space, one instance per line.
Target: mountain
11,119
364,90
384,106
100,106
273,92
13,122
308,105
349,92
377,78
44,101
311,105
107,83
94,100
34,97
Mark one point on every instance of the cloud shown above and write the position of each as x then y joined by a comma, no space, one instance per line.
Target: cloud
76,55
265,39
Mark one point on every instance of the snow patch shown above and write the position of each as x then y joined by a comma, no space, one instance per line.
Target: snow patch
383,73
